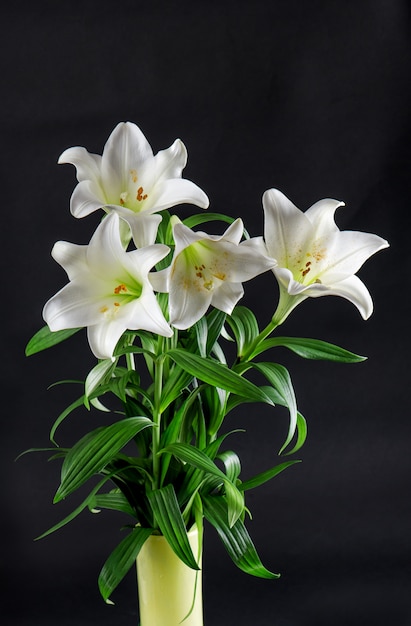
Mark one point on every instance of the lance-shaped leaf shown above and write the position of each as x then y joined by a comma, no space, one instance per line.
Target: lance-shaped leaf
310,349
92,453
217,374
236,540
279,377
99,374
197,458
264,477
74,405
232,464
115,501
45,338
301,434
202,218
167,513
244,326
175,383
86,503
121,560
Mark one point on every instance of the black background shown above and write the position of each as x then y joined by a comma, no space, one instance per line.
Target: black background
312,98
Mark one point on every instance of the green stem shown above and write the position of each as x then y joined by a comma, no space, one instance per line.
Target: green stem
129,356
130,362
248,354
286,304
156,431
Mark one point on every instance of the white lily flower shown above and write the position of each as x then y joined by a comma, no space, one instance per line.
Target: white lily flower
208,270
109,289
314,258
131,181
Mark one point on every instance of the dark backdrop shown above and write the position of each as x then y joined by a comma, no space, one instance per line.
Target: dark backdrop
312,98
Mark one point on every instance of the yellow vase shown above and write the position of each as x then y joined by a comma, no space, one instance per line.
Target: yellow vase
166,586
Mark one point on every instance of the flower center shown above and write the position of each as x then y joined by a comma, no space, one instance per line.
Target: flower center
206,268
308,266
134,196
122,294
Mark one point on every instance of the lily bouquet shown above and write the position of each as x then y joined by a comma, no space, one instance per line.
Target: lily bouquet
159,299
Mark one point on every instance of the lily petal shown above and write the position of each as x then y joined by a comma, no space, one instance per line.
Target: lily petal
142,260
147,315
209,269
87,165
71,256
169,163
321,216
103,337
86,198
105,251
109,289
176,191
352,289
186,305
126,149
144,229
226,297
78,304
314,258
286,227
129,179
348,251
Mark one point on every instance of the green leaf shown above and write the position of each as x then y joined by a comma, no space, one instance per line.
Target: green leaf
214,405
217,374
232,465
173,431
301,434
30,450
264,477
96,376
215,324
201,330
244,326
197,458
92,453
121,560
45,338
279,377
99,405
202,218
115,501
74,405
213,447
170,521
311,349
77,510
276,398
120,350
175,383
236,540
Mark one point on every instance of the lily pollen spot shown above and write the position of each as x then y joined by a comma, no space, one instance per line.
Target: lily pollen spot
140,194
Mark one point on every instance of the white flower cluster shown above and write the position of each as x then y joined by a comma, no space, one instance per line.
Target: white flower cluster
112,286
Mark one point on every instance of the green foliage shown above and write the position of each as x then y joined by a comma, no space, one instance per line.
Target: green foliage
310,349
162,461
170,521
94,451
44,339
121,560
236,539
